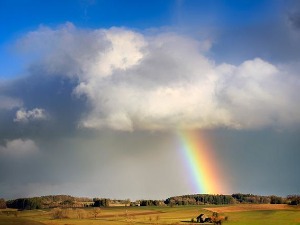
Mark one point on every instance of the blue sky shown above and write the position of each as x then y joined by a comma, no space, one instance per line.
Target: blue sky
94,91
22,15
19,17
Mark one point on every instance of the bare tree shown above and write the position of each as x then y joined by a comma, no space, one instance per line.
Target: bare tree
81,214
96,212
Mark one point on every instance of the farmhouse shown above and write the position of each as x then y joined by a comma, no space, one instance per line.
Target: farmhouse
202,218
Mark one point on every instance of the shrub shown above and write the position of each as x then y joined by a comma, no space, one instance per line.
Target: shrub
58,213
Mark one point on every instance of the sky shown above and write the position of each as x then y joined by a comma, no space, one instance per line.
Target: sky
97,98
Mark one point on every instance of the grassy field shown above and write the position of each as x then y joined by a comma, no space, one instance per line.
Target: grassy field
237,215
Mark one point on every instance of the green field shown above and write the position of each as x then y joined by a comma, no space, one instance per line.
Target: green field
237,215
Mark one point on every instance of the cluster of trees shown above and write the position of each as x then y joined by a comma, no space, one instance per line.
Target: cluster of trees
102,202
151,202
250,198
2,203
258,199
25,203
55,201
50,201
200,199
293,199
277,200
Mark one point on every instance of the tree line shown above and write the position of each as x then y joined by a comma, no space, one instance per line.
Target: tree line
50,201
56,201
202,199
25,203
67,201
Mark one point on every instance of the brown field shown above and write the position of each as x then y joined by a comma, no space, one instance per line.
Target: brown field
251,207
240,214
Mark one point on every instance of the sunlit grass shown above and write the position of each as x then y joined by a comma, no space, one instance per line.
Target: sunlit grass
156,215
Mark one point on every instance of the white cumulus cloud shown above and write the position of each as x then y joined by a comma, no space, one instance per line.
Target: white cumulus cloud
19,147
165,81
23,115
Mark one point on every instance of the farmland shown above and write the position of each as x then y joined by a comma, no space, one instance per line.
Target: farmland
239,214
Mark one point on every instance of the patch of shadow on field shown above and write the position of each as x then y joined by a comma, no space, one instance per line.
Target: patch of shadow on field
131,214
268,212
5,220
249,207
187,221
190,222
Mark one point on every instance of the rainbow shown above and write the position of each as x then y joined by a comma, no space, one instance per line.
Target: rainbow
201,163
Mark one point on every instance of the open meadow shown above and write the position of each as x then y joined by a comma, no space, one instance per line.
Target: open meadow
242,214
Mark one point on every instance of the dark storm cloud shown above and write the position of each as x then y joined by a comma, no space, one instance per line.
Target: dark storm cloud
266,159
53,94
295,19
258,29
107,164
274,40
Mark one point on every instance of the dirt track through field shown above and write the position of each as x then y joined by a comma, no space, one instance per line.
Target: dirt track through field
253,207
